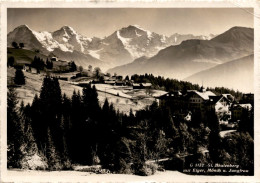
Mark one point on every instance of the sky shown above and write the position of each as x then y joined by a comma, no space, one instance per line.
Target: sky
100,22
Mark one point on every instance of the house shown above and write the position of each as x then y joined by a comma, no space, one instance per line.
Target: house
146,85
33,70
63,78
110,82
28,68
171,94
196,99
142,85
229,97
221,105
172,97
54,59
136,86
84,83
120,83
106,77
237,110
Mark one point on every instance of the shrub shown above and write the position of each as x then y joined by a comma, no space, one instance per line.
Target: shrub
145,169
34,162
125,168
153,167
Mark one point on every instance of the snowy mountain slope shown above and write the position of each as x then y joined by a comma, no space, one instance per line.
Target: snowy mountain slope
192,56
119,48
65,43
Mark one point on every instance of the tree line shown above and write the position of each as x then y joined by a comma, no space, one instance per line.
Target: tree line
61,131
168,84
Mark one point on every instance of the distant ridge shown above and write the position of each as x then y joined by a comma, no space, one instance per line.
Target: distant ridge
237,74
192,56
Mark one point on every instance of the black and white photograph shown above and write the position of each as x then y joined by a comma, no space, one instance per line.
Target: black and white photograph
130,93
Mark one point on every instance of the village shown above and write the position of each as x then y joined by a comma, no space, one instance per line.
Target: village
228,109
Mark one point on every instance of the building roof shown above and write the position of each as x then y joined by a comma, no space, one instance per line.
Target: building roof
214,99
136,84
146,84
168,94
110,82
229,97
204,95
244,106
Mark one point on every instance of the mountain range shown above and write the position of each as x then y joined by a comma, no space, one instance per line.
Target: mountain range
194,55
121,47
134,50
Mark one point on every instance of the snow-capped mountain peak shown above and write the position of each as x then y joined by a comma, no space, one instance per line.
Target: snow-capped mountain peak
68,30
121,47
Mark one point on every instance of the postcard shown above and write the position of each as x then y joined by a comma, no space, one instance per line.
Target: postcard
130,91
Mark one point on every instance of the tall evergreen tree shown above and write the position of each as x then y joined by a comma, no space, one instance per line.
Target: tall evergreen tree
215,145
19,78
15,134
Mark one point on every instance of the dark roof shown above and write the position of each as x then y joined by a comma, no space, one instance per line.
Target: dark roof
214,99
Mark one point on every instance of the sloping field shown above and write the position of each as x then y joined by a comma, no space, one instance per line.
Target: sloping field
115,94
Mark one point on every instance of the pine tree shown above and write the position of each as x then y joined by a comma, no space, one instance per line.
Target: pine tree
10,61
52,154
30,145
214,137
49,64
19,78
15,135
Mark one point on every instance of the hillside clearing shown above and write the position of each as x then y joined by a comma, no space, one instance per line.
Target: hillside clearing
123,98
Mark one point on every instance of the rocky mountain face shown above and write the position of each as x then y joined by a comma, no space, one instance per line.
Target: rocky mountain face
192,56
121,47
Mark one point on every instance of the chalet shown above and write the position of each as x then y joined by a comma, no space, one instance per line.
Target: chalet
229,97
172,94
146,85
221,105
28,68
237,110
175,98
33,70
109,82
136,86
54,59
120,83
63,78
83,83
142,85
196,99
106,77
